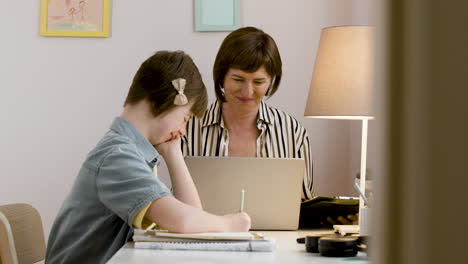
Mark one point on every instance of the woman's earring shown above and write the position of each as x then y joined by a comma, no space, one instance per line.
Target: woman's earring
222,89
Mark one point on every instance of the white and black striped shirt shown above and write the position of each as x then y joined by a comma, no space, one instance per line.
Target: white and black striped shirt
281,136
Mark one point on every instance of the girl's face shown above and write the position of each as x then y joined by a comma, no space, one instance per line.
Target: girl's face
170,125
244,89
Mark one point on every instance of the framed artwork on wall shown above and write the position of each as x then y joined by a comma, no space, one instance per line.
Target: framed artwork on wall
75,18
217,15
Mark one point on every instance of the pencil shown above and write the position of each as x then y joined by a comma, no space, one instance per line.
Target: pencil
242,200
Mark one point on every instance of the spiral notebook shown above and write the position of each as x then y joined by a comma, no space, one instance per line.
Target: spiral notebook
239,241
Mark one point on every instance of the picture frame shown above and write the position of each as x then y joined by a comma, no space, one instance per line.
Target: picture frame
75,18
217,15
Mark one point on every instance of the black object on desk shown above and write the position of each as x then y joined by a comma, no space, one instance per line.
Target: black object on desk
311,244
300,240
319,208
338,246
334,245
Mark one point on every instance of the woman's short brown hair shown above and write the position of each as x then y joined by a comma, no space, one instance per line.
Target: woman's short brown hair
247,49
153,82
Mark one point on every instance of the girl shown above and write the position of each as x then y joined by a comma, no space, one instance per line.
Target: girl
116,190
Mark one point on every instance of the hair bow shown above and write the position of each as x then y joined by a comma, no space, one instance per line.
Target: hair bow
179,85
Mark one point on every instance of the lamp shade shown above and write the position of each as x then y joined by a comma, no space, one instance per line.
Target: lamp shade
343,74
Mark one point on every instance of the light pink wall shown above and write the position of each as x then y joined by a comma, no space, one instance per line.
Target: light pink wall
59,95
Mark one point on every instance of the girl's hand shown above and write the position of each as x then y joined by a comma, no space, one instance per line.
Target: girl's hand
169,147
239,222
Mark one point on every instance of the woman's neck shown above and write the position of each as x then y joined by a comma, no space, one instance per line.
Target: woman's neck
235,118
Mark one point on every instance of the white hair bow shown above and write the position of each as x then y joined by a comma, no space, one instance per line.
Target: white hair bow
179,85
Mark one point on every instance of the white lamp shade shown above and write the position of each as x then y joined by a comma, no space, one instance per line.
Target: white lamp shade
343,75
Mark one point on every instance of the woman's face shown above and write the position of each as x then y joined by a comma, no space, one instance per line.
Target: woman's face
244,89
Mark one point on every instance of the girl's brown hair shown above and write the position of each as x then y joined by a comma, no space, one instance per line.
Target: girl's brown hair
153,82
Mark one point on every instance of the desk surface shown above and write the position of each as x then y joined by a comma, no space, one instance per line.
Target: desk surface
287,251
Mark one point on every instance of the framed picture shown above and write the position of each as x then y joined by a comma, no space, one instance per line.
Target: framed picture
217,15
75,18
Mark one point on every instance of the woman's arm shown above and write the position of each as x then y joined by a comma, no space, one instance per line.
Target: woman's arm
304,152
179,217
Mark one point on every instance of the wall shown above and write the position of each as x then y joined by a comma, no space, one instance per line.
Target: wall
59,95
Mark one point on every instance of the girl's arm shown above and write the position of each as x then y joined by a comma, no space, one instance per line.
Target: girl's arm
182,184
179,217
183,213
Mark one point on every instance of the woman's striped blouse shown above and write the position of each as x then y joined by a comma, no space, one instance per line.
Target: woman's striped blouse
281,136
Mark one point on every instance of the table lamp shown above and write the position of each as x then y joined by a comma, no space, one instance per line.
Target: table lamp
342,81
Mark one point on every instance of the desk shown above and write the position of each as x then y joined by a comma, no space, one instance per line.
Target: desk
287,251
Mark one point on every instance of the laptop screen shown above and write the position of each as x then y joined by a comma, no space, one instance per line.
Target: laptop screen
272,188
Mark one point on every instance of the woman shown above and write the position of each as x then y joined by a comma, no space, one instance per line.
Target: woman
240,124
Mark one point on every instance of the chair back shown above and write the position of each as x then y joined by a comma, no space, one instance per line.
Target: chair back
21,235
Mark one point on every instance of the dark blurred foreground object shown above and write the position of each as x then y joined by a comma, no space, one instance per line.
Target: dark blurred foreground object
319,208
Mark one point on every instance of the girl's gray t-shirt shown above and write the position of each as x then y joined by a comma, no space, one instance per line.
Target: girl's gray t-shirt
115,182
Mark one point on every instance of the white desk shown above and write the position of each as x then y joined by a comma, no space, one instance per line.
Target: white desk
287,251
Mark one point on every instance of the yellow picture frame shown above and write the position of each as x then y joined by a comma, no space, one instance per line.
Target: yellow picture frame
75,18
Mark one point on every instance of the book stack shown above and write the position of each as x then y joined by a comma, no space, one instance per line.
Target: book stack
238,241
346,229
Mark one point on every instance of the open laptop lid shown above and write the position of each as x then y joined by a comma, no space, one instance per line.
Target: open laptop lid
272,188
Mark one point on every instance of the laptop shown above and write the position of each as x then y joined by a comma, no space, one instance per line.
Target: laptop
273,188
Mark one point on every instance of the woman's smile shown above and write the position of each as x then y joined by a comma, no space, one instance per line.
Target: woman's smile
244,99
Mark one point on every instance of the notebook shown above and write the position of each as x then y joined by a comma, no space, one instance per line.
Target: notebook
272,187
240,241
164,235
